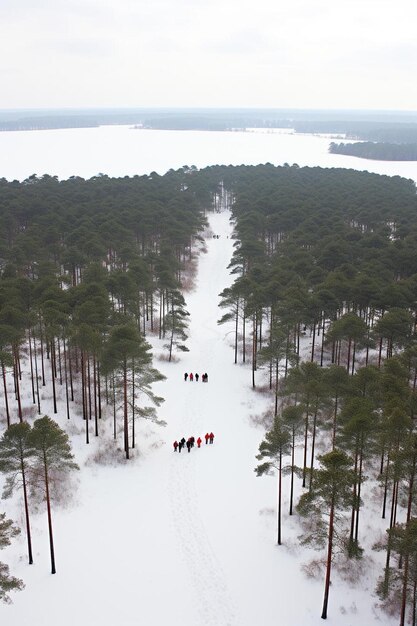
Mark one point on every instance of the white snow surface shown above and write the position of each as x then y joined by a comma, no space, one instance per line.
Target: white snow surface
182,539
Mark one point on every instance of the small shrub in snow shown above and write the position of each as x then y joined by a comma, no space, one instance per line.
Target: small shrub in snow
29,412
314,568
262,389
157,444
107,453
163,356
351,570
264,420
267,511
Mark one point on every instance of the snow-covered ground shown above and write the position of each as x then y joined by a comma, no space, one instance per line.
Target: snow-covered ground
182,539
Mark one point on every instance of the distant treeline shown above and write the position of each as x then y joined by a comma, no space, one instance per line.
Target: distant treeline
399,127
380,151
367,130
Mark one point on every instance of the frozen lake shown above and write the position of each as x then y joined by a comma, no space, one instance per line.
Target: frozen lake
125,151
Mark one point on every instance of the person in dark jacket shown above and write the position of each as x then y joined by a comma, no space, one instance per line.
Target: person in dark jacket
175,444
182,442
196,378
180,446
211,437
185,376
188,445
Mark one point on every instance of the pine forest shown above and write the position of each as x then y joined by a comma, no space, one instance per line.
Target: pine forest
324,309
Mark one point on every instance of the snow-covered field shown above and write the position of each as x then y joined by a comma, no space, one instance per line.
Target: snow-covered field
182,539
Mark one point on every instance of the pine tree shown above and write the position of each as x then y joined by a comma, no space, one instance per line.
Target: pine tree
16,455
358,433
272,448
331,494
52,456
127,355
293,419
175,323
402,582
7,582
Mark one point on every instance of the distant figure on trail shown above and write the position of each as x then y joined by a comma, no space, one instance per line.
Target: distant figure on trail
188,445
196,378
192,440
199,441
211,437
206,437
180,446
204,377
185,376
175,444
191,377
182,442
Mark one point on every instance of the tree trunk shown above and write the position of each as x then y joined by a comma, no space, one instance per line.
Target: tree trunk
254,347
31,367
348,354
90,412
313,343
95,396
292,470
305,448
125,412
25,499
53,374
276,386
19,404
6,401
329,564
336,402
48,507
70,374
313,441
99,390
36,374
404,591
114,409
66,378
236,327
384,503
279,496
359,493
355,495
244,339
42,357
133,403
322,343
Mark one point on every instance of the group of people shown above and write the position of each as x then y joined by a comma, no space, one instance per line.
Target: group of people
191,377
189,443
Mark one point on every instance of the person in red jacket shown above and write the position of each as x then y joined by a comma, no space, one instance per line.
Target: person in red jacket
206,437
199,440
175,444
191,377
211,437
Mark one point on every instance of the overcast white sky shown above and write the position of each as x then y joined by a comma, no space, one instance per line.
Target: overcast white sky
262,53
